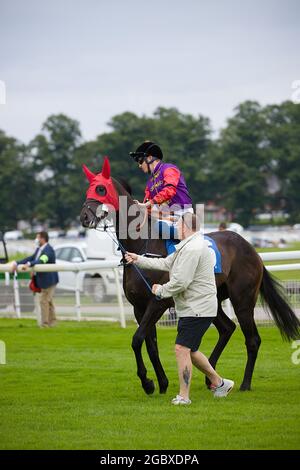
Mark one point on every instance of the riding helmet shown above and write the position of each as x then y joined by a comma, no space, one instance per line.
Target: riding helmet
147,148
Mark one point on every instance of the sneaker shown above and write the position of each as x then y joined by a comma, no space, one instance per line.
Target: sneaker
180,401
223,389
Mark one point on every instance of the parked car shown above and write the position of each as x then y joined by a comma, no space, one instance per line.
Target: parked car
73,233
13,235
99,284
56,233
262,242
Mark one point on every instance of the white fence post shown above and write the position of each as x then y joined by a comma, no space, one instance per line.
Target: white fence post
77,297
17,295
120,299
2,353
6,279
37,307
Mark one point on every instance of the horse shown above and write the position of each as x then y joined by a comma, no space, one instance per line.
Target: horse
243,277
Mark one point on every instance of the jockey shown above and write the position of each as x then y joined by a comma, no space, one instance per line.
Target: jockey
166,189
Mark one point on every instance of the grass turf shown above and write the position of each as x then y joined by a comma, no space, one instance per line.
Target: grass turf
75,387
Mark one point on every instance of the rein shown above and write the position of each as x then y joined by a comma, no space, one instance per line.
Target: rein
144,219
94,224
124,251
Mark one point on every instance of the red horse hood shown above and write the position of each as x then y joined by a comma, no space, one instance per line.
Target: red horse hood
101,187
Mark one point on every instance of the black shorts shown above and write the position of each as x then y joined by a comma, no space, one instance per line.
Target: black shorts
190,331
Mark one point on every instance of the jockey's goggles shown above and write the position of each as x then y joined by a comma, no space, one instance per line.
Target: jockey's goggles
138,157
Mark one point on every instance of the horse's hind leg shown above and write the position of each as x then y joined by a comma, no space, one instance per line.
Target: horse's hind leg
245,317
151,344
225,328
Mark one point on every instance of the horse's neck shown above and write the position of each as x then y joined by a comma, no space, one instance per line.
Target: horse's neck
142,243
121,228
133,245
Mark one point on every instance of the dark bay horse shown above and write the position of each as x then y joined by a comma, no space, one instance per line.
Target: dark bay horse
243,278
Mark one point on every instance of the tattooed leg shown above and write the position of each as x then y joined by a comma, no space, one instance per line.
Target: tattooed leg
202,363
184,364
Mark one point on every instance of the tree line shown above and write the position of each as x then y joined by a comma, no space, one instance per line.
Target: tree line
253,165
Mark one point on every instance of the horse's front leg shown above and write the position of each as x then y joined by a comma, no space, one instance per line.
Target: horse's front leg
137,343
147,331
152,349
151,342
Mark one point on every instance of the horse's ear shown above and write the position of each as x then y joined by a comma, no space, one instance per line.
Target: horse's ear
106,168
88,173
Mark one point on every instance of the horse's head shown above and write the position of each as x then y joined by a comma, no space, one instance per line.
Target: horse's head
101,196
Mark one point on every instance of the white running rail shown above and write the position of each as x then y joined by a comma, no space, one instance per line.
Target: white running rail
113,265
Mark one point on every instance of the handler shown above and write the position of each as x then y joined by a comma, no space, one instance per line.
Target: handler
192,285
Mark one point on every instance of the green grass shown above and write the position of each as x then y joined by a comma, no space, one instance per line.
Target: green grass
75,387
290,247
287,275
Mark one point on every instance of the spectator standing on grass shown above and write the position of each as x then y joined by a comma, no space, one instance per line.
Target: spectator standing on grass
192,285
43,254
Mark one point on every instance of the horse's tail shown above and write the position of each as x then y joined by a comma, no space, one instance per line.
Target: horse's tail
273,294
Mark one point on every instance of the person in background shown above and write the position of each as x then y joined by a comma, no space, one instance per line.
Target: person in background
222,227
43,254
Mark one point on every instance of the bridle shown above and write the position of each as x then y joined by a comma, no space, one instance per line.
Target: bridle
94,224
96,218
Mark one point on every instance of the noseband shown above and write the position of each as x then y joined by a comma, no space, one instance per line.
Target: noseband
96,218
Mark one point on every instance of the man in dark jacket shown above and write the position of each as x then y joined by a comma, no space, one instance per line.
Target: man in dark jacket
45,281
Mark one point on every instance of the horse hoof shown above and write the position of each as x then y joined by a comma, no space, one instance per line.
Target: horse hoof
245,388
164,387
149,387
208,383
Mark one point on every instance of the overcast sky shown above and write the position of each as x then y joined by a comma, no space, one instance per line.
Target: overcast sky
92,59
